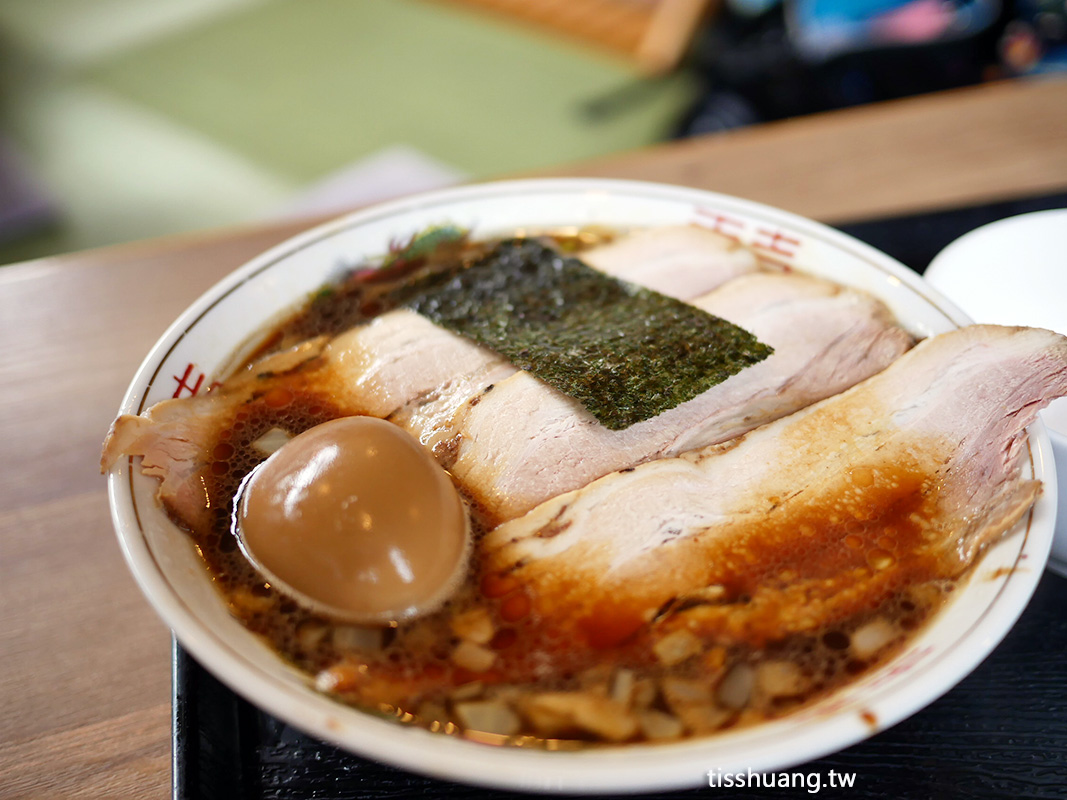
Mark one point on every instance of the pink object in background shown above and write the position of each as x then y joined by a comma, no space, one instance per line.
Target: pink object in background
920,21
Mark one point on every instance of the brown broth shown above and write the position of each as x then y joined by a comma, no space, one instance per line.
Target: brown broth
419,672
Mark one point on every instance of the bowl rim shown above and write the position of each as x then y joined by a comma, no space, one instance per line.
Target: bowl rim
627,769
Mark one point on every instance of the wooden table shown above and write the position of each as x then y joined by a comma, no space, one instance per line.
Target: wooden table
84,689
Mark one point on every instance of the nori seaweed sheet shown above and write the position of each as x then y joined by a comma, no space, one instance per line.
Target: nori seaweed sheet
624,352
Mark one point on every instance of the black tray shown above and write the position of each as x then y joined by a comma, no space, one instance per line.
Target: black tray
1002,732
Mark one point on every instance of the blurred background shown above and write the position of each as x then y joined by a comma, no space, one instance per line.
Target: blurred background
127,119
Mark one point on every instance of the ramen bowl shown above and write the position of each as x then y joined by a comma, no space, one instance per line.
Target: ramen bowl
228,321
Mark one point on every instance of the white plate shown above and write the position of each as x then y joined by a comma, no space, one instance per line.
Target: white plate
201,341
1014,272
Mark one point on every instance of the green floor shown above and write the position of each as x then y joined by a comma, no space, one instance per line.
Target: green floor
145,117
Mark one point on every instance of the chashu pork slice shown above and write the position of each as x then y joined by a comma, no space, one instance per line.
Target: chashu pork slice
401,356
370,370
807,520
681,261
513,443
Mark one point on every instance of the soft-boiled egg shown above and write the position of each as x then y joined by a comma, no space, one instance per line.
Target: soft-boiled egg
355,519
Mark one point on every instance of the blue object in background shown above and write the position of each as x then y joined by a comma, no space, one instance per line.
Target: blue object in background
823,29
845,11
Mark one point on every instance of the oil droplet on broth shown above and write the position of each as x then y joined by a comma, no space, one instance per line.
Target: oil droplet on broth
353,518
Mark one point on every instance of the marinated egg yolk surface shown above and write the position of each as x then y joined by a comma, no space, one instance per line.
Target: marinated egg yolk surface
355,519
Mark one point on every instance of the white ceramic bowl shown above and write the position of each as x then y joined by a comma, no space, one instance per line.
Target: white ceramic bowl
203,340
